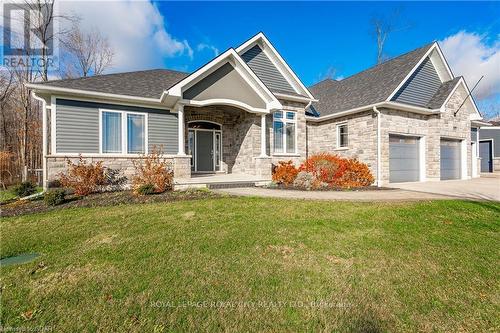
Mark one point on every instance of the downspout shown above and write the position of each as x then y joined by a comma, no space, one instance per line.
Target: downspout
44,139
379,147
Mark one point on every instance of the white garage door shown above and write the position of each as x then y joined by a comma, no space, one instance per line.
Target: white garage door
450,159
403,159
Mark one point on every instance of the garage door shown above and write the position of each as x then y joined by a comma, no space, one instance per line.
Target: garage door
450,159
403,159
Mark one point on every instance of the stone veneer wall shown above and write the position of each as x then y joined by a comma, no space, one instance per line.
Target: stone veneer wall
362,138
322,137
241,136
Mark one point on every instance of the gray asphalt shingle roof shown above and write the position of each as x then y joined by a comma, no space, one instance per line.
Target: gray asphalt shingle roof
148,83
443,92
367,87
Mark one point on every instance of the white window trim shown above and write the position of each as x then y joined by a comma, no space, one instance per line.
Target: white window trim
124,115
338,146
284,120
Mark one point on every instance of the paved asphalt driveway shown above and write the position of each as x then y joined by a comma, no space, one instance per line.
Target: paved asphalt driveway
487,187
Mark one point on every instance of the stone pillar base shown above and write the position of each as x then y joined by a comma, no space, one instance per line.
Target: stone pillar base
263,167
182,166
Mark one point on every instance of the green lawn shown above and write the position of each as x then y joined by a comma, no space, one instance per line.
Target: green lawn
7,194
249,264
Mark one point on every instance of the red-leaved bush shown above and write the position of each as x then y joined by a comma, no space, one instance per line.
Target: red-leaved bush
285,173
84,177
153,170
337,171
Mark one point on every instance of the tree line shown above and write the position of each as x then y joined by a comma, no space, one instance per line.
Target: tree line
82,53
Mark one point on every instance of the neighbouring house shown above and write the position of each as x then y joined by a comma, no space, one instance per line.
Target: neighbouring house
489,146
409,118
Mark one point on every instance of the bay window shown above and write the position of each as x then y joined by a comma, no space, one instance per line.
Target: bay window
284,129
123,132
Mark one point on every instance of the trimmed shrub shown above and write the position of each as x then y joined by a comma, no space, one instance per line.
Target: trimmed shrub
146,189
305,180
357,174
54,197
325,167
24,189
285,173
84,177
336,171
153,170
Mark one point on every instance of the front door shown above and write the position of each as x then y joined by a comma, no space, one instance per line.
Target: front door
486,154
205,151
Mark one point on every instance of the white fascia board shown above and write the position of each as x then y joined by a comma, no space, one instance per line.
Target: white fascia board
429,51
240,66
277,60
295,98
482,123
223,101
44,88
392,105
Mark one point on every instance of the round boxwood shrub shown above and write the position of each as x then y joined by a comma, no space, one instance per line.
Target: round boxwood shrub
54,197
24,189
146,189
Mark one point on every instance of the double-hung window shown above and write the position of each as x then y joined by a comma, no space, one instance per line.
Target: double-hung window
284,129
342,136
123,132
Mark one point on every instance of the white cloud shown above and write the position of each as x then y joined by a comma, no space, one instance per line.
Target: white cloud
135,29
204,46
469,55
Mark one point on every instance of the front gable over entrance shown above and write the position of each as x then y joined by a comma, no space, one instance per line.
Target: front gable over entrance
224,83
226,80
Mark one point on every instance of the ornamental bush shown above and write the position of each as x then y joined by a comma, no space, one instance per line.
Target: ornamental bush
336,171
146,189
24,189
84,177
54,197
153,170
285,173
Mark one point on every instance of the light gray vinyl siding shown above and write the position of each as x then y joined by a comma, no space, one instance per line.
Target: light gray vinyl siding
162,132
77,129
77,126
491,133
265,70
421,86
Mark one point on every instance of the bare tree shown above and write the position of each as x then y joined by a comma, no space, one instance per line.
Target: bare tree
382,27
89,52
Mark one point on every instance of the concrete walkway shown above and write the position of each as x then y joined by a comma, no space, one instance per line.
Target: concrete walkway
487,187
382,195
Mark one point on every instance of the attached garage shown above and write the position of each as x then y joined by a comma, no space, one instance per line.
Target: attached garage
450,159
403,159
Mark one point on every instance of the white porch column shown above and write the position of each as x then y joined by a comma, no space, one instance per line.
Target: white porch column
180,119
263,135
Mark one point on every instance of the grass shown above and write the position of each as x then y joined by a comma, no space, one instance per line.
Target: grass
250,264
7,194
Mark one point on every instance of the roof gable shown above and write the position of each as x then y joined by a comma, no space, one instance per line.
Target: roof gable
421,86
260,63
224,83
278,63
225,75
368,87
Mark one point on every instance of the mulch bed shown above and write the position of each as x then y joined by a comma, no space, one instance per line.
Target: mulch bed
23,207
335,189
